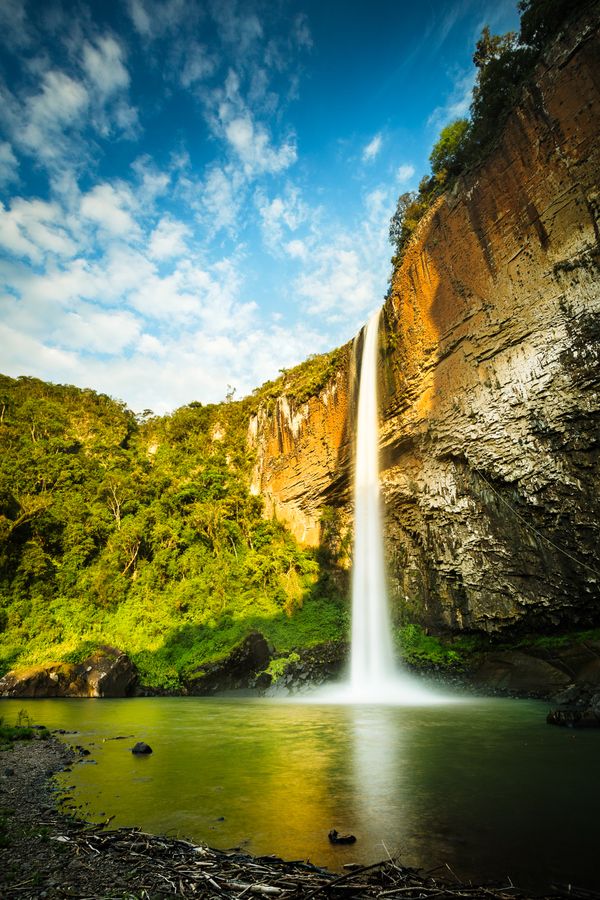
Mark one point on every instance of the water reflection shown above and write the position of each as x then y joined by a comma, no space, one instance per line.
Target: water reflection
485,787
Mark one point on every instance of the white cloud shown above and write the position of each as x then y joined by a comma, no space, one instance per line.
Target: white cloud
88,330
153,18
218,199
15,29
458,102
252,144
104,66
301,32
60,104
107,206
152,182
338,285
32,229
296,249
198,64
282,214
249,140
241,31
168,239
8,164
405,172
371,150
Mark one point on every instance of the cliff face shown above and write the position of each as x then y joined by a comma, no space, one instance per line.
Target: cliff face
489,386
304,454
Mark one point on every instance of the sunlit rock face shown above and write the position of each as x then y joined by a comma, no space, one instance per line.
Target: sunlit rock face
490,375
304,455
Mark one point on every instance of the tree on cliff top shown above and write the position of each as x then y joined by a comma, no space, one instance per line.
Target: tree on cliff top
503,63
445,156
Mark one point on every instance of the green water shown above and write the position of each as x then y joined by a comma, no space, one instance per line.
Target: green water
486,788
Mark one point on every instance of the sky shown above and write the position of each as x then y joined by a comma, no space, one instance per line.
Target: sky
195,194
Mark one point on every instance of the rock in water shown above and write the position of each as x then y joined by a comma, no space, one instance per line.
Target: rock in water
336,838
141,748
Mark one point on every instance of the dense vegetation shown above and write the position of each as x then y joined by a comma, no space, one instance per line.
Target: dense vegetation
142,533
304,380
503,63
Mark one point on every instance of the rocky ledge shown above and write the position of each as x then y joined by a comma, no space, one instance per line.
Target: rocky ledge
106,673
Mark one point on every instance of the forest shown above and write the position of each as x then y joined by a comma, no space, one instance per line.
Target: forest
140,532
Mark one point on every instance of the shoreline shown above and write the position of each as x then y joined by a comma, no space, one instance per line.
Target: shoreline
45,853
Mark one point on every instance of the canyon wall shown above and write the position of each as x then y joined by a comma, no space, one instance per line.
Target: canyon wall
490,381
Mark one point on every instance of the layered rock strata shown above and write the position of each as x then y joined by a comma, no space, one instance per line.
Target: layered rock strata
490,382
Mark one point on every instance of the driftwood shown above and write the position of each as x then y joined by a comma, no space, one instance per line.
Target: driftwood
165,866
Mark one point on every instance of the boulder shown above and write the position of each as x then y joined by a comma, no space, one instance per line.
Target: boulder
106,673
574,718
516,672
141,749
236,671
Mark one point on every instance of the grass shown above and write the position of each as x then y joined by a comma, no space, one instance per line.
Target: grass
23,730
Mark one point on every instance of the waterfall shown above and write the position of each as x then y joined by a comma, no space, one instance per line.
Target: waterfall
372,656
375,677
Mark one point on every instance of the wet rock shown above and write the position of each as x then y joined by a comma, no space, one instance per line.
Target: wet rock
513,671
263,681
141,748
336,838
574,718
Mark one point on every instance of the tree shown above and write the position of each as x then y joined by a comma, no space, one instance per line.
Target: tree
541,20
445,157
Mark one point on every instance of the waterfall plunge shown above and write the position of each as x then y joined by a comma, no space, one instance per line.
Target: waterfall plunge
375,677
372,656
374,674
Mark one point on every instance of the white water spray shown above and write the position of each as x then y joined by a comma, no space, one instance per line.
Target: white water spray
375,678
372,656
374,675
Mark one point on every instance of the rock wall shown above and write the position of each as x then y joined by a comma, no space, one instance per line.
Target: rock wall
490,383
304,454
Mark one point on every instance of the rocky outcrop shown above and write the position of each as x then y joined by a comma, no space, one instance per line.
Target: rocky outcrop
307,667
236,671
106,673
569,674
490,383
492,407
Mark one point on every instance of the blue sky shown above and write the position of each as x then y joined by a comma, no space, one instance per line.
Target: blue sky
196,193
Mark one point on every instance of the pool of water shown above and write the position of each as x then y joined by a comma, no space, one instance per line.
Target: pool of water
485,788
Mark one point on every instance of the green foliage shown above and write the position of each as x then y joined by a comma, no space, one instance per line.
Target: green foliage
420,649
143,534
305,380
278,667
410,209
21,731
445,156
541,20
555,641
